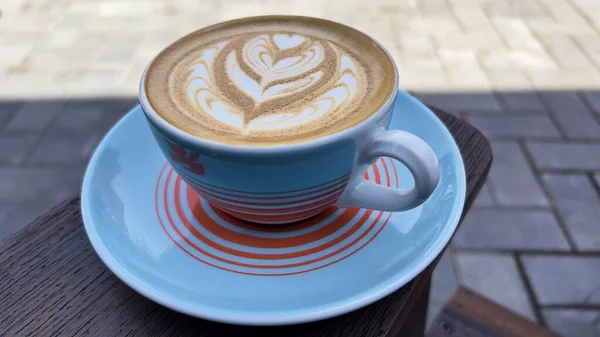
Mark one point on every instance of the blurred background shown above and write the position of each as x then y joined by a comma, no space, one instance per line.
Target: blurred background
525,72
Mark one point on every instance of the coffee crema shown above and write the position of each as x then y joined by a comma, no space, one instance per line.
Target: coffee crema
270,80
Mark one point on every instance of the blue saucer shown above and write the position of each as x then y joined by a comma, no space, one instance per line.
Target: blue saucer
167,244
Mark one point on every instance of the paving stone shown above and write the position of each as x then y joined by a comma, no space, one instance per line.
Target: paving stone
496,277
455,103
565,156
517,10
415,44
420,79
120,105
562,11
113,110
525,127
512,229
484,198
563,79
575,120
59,58
30,21
19,215
593,99
93,77
433,7
121,49
591,46
475,40
547,27
521,102
91,44
80,117
24,184
564,280
573,322
15,148
31,86
70,186
117,105
8,110
467,78
59,147
34,116
60,39
122,54
509,79
516,34
579,205
422,64
432,311
434,25
511,179
13,55
462,69
128,9
521,59
444,280
4,210
566,52
406,61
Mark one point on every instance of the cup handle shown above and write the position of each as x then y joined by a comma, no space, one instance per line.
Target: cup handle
409,149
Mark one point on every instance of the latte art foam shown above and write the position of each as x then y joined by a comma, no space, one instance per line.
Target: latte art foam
267,81
270,82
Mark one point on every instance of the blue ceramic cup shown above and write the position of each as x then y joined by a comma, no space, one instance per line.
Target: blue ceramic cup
287,183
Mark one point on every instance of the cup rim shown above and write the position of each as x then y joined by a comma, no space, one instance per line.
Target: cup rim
212,145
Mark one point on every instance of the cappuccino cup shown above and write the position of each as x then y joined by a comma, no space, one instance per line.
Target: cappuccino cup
274,119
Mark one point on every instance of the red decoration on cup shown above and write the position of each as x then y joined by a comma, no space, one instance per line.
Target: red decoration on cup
181,156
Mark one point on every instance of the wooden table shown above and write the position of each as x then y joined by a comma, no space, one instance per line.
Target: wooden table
52,283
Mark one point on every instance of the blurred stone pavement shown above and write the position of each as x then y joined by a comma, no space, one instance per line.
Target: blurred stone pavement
525,72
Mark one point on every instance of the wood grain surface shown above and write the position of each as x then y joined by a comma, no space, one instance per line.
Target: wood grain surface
52,283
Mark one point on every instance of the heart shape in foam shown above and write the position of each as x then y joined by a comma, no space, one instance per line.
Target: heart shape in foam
287,41
275,64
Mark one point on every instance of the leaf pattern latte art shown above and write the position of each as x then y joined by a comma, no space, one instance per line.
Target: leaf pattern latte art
274,81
